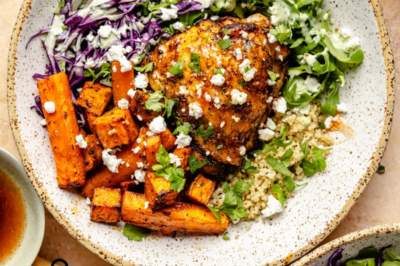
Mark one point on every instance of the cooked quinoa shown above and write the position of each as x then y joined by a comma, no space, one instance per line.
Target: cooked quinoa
303,127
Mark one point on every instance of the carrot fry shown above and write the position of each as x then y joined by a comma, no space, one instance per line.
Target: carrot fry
63,129
122,82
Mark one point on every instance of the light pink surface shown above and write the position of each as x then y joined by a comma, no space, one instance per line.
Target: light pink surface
379,203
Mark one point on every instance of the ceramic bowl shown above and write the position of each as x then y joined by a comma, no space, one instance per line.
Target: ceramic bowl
378,237
33,234
309,217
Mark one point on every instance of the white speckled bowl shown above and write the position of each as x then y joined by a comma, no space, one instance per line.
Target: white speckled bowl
309,217
378,237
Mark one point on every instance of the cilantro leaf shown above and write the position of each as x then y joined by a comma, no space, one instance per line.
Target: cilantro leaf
220,147
225,236
218,71
177,178
105,72
282,195
146,68
281,32
169,105
242,82
194,164
234,214
224,44
204,135
185,129
216,213
136,233
278,166
246,47
153,103
225,31
285,159
241,187
195,63
273,76
381,169
176,69
248,167
308,167
304,149
318,159
289,183
58,9
163,156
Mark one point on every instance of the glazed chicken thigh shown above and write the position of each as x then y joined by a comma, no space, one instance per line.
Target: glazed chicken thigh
236,103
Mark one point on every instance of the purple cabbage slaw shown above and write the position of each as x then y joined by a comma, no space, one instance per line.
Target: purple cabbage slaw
337,256
73,46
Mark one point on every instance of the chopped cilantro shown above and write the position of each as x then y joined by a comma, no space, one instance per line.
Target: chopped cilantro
281,32
282,194
224,44
204,135
229,103
105,72
146,68
246,47
136,233
195,62
218,71
153,103
242,82
273,76
225,236
285,159
322,125
220,147
185,129
194,164
381,169
176,69
225,31
223,88
247,69
216,213
248,167
278,166
202,184
253,181
290,184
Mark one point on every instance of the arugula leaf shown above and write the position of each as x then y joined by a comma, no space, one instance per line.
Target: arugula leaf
58,9
163,156
194,164
297,43
177,178
135,233
248,167
381,169
220,147
282,195
216,213
153,103
105,72
363,262
224,44
218,71
331,101
278,166
146,68
281,32
176,69
356,58
185,129
190,18
195,63
225,236
204,135
273,76
318,159
285,159
169,105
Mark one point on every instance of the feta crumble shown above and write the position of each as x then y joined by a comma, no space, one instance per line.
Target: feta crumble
178,26
123,104
265,134
237,119
140,164
141,81
242,150
43,122
88,201
183,90
271,124
169,13
239,55
238,97
195,110
182,140
328,121
80,141
50,107
139,175
274,207
146,205
217,80
158,125
222,124
280,105
244,34
207,97
136,150
117,53
214,18
342,107
271,38
111,161
104,31
174,159
131,93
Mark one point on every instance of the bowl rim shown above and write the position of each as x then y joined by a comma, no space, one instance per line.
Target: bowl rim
112,258
23,181
347,239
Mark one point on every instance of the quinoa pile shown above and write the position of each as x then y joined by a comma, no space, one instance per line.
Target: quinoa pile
303,126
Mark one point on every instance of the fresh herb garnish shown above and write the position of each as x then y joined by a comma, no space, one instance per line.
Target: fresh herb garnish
322,125
290,184
242,82
248,167
200,132
285,159
225,236
220,147
381,169
154,104
278,166
146,68
224,44
332,100
194,164
273,76
225,31
282,194
281,32
176,69
105,72
135,233
218,71
185,129
195,63
246,47
58,9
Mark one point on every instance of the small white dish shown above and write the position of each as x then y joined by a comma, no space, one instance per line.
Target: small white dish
33,234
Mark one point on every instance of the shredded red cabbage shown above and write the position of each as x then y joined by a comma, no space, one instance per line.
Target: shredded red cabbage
336,257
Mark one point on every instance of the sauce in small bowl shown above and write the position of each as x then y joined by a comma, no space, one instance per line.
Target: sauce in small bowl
12,216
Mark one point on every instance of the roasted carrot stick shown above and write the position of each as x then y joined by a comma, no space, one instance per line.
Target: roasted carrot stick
122,82
101,176
63,129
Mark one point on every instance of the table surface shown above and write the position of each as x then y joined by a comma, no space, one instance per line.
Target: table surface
379,204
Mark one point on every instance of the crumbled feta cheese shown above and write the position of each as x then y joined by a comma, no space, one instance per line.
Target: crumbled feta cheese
265,134
274,207
195,110
249,75
222,124
80,141
310,59
111,161
322,32
216,100
207,153
271,38
136,150
50,107
281,57
138,140
139,175
88,201
139,118
131,93
242,150
169,13
328,121
228,159
303,17
43,122
104,31
140,164
217,80
214,18
146,205
244,34
345,32
169,75
117,53
238,97
278,48
351,44
270,99
183,90
141,81
271,124
123,104
158,125
149,134
178,26
207,97
239,55
174,159
342,107
244,64
114,68
271,83
182,140
226,37
90,37
183,110
312,84
280,105
237,119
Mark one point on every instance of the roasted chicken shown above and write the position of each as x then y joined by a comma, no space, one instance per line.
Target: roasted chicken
237,103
